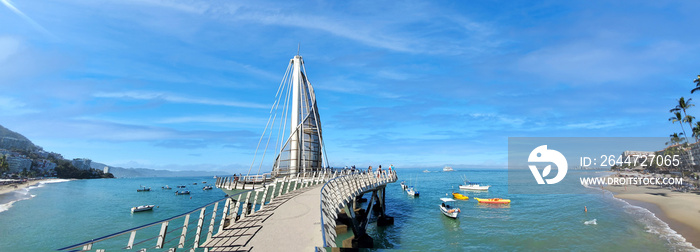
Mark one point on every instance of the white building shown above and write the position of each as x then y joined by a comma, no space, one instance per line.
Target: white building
18,164
82,163
106,170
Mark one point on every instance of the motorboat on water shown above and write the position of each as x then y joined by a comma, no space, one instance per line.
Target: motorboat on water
204,182
142,208
447,168
166,187
448,210
143,189
493,201
412,192
426,171
207,188
473,186
459,196
182,192
195,183
403,185
181,186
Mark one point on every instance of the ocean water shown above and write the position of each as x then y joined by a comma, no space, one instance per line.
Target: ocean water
531,222
52,216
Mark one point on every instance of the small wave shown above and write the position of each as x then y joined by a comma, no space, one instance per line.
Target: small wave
591,222
654,225
23,193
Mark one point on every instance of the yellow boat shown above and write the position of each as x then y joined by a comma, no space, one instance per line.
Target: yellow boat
493,201
459,196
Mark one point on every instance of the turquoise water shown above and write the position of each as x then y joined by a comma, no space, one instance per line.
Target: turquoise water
55,215
530,222
60,214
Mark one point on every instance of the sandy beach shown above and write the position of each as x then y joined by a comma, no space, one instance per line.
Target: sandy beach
681,211
12,187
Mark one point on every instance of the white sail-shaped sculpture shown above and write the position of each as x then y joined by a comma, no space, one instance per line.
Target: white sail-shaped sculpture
303,150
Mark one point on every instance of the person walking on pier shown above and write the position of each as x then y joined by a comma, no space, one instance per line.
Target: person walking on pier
379,171
369,169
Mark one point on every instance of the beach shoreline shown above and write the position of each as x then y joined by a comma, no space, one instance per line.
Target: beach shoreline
5,189
681,211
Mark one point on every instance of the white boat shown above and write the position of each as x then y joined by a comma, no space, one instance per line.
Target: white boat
426,171
403,185
448,210
142,208
471,186
447,168
182,192
207,188
412,192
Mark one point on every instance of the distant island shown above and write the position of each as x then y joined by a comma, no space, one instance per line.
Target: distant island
20,158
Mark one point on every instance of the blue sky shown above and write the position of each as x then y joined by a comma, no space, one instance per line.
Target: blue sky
188,84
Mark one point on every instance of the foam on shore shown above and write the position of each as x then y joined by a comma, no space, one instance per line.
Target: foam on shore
652,223
8,199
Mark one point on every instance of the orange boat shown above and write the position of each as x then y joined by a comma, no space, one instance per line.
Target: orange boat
493,201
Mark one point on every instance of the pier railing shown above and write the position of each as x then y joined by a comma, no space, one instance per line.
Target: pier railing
191,229
340,191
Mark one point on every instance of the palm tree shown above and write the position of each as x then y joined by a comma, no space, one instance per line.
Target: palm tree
696,131
675,138
677,117
697,85
683,105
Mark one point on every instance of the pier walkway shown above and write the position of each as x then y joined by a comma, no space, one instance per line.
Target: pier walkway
291,222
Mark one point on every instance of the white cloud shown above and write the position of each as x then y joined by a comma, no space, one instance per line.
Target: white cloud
31,21
12,107
177,99
8,46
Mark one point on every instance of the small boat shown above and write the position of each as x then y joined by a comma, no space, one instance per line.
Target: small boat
448,210
207,188
403,185
181,186
195,183
166,187
412,192
493,201
472,186
426,171
204,182
144,189
142,208
459,196
182,192
447,168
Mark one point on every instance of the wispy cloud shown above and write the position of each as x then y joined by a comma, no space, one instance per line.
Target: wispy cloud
176,99
31,21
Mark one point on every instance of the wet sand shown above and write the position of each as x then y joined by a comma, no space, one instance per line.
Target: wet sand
681,211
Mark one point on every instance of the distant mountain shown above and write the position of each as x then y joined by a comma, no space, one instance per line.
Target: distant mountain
120,172
13,140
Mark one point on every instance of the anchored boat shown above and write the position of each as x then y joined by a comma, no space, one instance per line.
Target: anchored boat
207,188
142,208
182,192
448,210
459,196
493,201
143,189
472,186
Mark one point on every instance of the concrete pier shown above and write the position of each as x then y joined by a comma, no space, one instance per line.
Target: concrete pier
291,222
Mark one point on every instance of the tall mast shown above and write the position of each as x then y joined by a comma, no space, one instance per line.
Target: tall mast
294,143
